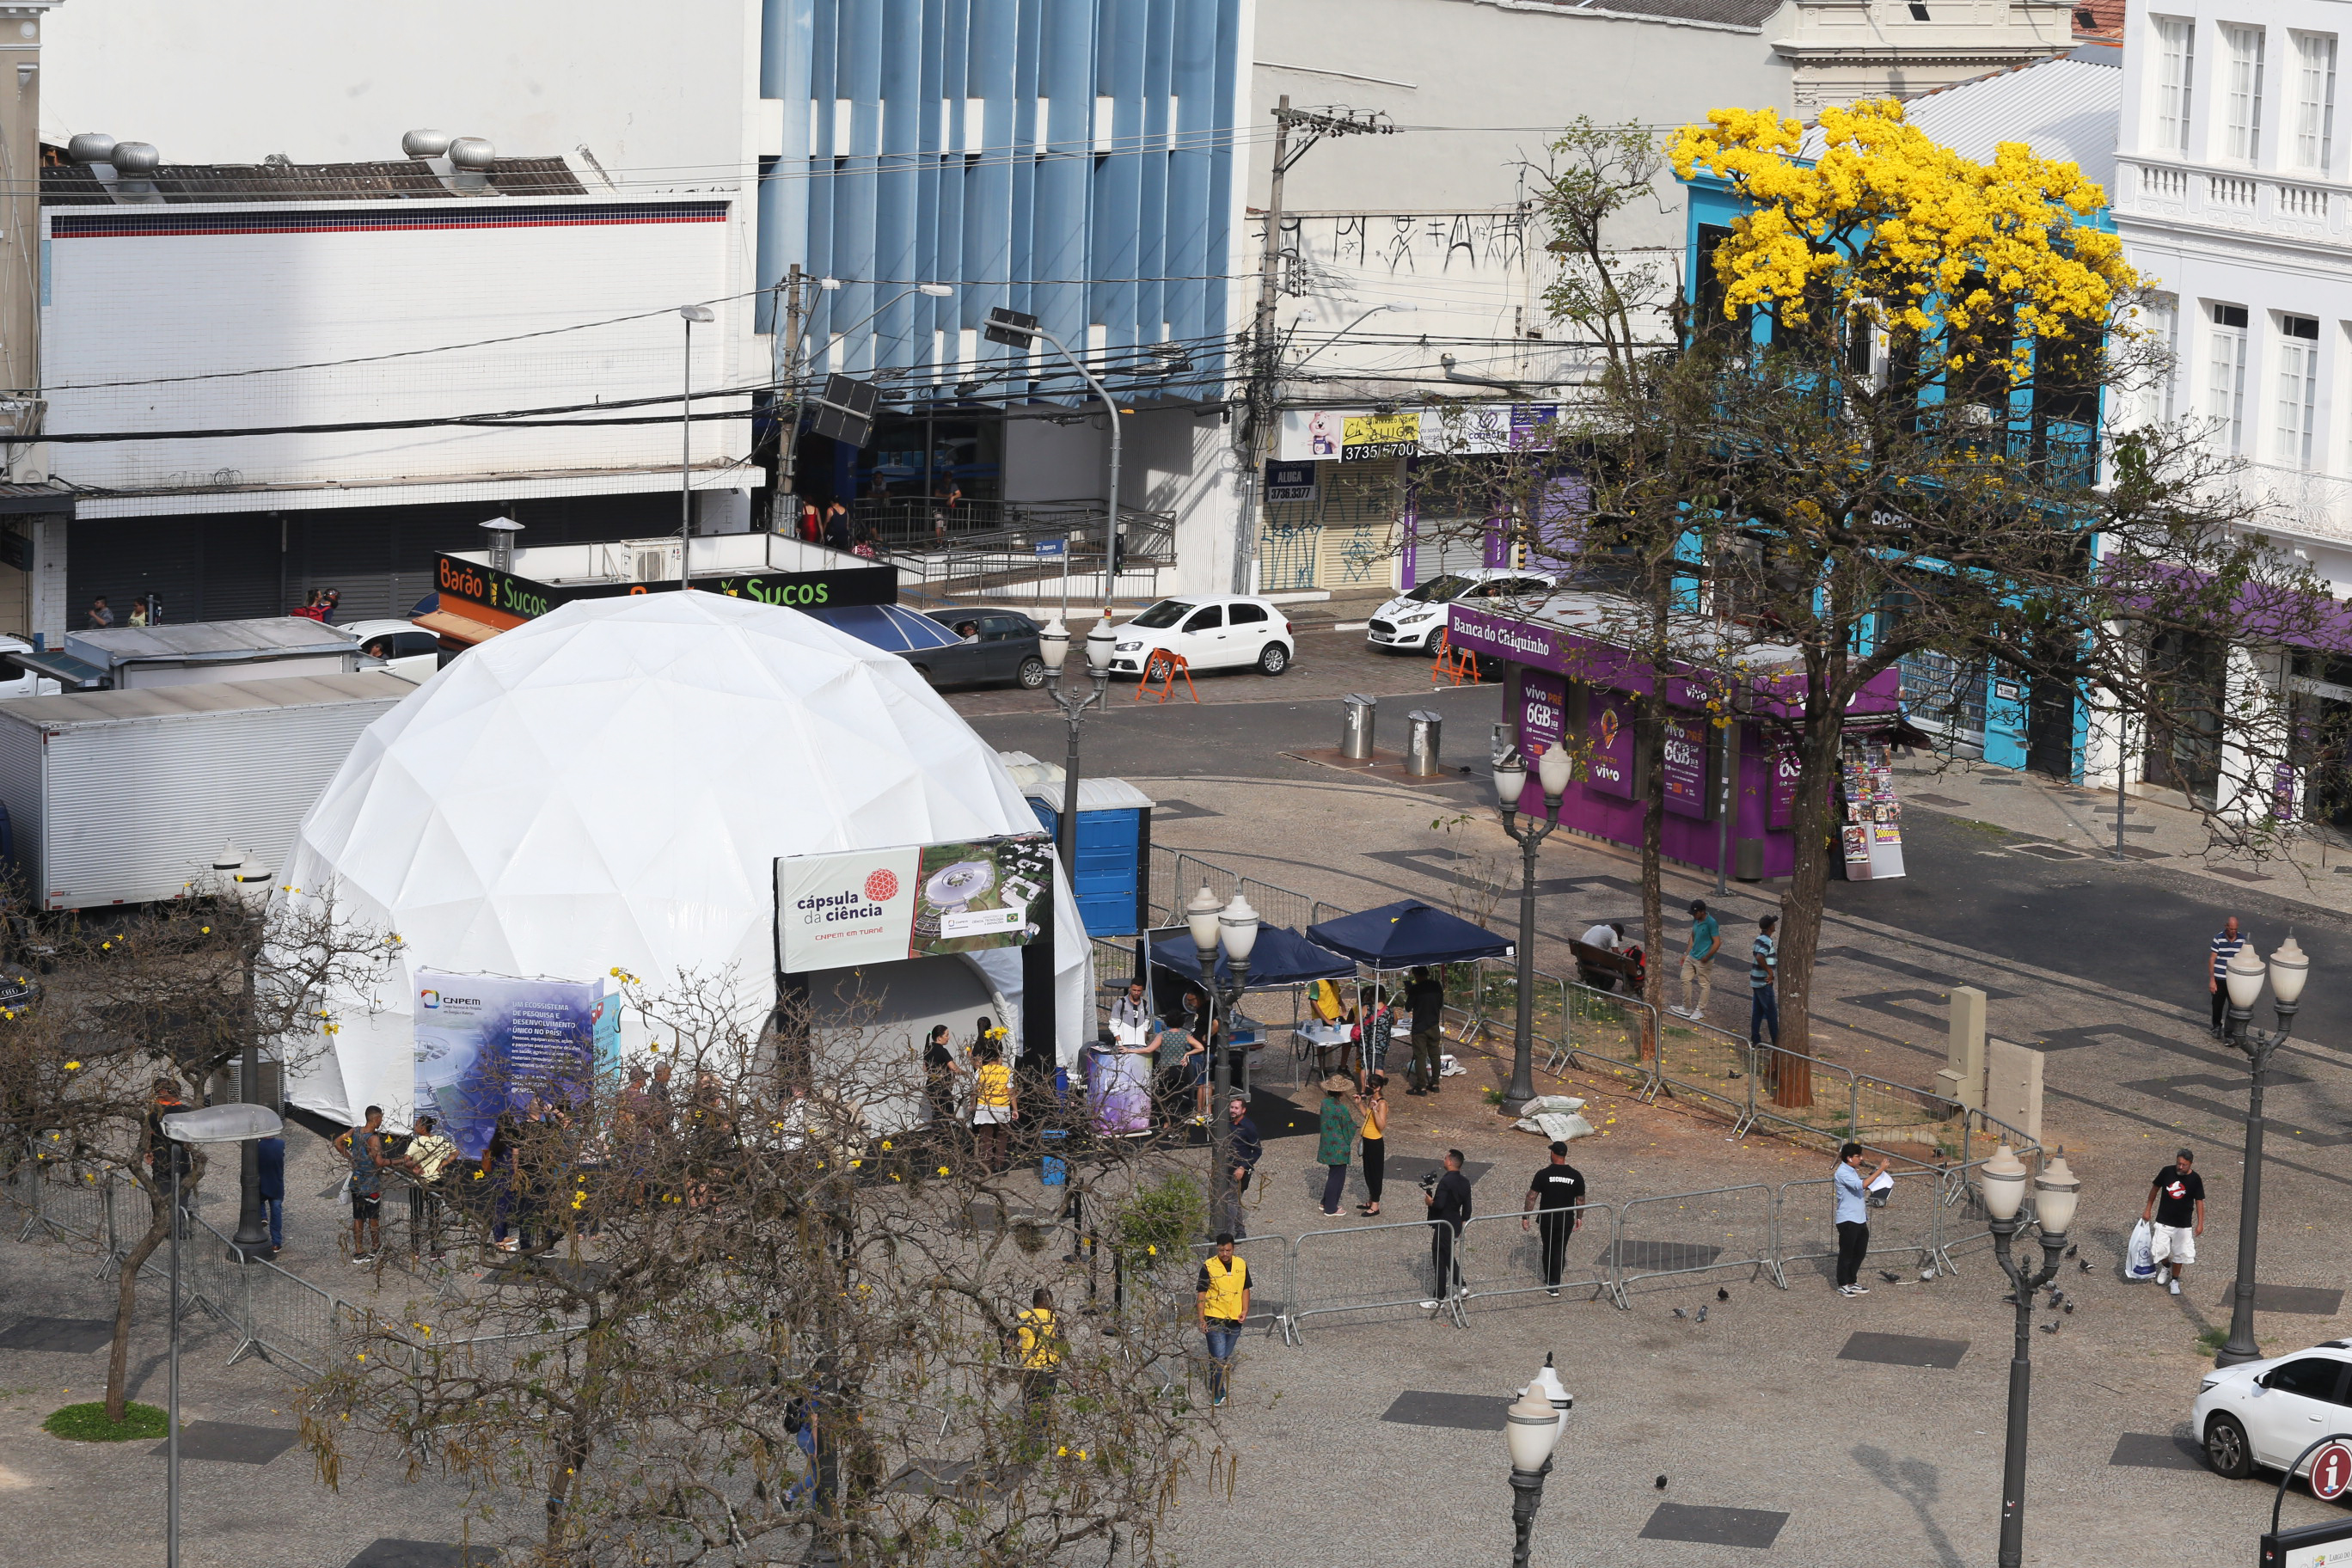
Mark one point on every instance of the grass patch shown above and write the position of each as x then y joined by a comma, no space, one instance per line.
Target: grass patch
88,1423
1494,1095
1989,829
2212,1341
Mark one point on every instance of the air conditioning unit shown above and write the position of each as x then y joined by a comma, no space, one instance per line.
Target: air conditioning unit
656,565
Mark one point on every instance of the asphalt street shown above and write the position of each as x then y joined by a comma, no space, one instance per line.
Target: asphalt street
2140,927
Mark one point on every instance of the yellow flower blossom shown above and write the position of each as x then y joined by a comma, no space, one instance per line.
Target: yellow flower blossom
1887,224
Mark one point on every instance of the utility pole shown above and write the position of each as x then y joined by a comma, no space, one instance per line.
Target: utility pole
1258,432
783,510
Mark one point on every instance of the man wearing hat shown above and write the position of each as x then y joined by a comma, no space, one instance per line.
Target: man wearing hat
1338,1143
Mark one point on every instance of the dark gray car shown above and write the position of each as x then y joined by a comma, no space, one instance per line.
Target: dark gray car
999,646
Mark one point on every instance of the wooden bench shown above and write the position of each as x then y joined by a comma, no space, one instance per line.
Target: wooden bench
1601,969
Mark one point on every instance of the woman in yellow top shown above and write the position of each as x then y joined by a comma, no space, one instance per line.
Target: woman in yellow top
1373,1106
994,1104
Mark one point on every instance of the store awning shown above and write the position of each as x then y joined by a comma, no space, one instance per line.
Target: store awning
892,628
451,626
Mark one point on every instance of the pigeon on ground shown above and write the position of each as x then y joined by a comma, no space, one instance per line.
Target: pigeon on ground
1661,1483
1721,1294
2010,1297
1700,1316
1926,1274
2084,1266
1889,1276
2074,1249
2070,1309
2050,1328
2056,1295
1680,1313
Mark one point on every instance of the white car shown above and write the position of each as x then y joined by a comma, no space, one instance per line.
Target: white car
1410,622
16,680
408,650
1212,631
2264,1414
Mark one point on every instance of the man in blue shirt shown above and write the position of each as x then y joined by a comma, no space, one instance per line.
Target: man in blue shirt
1763,975
269,1159
1854,1217
2225,945
1698,965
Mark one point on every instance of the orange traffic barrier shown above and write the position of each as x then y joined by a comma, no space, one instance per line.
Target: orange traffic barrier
1165,668
1457,666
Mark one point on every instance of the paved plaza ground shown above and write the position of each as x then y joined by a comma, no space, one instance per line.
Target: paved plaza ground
1770,1412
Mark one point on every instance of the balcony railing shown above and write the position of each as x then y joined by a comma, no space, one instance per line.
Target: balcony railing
2302,205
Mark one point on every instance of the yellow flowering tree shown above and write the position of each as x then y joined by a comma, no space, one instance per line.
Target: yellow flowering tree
1874,431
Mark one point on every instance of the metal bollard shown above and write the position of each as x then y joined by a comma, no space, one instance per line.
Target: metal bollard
1424,729
1356,720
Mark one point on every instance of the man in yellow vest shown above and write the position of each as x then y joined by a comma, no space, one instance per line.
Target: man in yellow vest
1222,1298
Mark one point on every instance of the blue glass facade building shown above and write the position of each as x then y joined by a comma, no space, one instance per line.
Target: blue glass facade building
1073,159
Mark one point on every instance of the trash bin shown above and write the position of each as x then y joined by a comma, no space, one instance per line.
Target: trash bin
1424,729
1356,719
1053,1171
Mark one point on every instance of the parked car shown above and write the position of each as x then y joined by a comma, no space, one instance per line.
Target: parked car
16,680
1410,622
2264,1414
1002,646
408,651
1212,631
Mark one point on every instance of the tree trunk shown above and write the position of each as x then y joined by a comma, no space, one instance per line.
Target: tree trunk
126,1297
1813,825
1653,715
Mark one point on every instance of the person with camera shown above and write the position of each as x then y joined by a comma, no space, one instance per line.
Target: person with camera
1554,1196
1447,1198
1853,1216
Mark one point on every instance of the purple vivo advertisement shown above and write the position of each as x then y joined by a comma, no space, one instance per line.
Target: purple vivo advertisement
1683,759
1543,711
1610,770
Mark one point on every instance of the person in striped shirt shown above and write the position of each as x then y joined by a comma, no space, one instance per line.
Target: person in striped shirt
2226,943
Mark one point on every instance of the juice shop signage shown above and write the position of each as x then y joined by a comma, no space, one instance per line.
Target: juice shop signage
879,906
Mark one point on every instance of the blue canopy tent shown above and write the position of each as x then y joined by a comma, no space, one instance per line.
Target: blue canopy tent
1407,935
1281,958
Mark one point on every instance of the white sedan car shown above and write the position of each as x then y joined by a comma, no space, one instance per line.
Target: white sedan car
2264,1414
1410,622
1212,631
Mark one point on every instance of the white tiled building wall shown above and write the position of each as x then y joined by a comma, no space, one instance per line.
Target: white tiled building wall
146,308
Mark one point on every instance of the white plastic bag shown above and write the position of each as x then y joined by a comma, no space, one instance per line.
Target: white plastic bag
2139,1256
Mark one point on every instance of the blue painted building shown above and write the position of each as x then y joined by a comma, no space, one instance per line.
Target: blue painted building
2063,109
1072,159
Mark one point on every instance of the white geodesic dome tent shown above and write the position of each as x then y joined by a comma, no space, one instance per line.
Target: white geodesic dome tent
610,786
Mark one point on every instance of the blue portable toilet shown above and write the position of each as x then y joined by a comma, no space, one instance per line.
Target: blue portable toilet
1113,885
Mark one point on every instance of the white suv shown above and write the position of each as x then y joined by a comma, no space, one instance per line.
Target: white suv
2266,1413
1410,622
1212,631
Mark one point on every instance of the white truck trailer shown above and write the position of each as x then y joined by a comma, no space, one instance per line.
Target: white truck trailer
123,798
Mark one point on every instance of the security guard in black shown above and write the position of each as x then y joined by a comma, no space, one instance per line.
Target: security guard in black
1554,1195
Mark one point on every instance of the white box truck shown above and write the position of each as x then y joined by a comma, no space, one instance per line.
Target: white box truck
123,797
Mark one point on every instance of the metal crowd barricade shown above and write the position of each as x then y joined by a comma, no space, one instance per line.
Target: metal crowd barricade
1702,1064
1605,1032
1360,1269
1502,1254
1804,1218
1694,1233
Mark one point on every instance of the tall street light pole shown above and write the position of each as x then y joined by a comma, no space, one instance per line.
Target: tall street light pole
1236,924
691,314
1552,770
1053,647
1532,1429
2055,1192
213,1124
240,878
1018,328
2288,969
